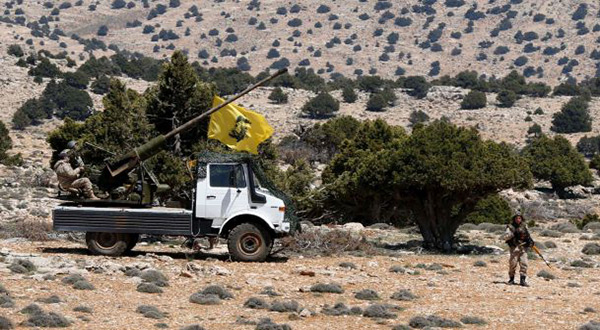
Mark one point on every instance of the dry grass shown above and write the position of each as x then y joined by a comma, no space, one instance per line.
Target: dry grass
327,243
35,229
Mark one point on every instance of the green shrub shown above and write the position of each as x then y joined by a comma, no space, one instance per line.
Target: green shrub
492,209
573,117
557,161
321,106
101,85
76,79
418,117
94,67
418,85
278,96
376,102
474,100
6,145
538,111
595,162
506,98
30,113
535,129
15,50
370,84
45,68
589,146
588,218
349,95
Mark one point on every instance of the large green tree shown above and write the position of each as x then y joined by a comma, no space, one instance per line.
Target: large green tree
179,96
119,128
557,161
438,174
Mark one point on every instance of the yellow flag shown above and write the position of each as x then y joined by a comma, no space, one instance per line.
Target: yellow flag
240,129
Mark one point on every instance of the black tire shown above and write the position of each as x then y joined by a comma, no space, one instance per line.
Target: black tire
107,244
249,243
133,239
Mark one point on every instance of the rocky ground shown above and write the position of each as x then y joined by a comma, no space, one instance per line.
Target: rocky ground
402,283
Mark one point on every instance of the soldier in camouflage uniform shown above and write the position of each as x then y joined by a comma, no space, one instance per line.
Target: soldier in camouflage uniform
68,178
518,239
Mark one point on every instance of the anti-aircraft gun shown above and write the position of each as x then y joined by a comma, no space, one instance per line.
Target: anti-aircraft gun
227,201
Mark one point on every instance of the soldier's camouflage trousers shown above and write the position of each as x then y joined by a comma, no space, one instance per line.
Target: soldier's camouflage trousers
83,184
518,256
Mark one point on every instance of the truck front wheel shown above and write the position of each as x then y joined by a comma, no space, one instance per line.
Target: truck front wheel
248,242
107,244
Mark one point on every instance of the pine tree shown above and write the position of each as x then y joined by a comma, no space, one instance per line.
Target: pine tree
178,97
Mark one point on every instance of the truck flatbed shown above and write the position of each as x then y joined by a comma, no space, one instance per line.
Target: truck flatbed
118,219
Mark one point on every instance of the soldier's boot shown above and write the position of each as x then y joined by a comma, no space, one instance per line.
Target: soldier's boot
89,194
93,197
511,281
523,283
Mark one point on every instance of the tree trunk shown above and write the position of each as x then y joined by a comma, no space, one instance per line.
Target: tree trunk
434,223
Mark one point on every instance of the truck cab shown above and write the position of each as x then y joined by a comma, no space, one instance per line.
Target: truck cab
228,202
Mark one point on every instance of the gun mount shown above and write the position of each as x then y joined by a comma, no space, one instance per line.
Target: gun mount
115,173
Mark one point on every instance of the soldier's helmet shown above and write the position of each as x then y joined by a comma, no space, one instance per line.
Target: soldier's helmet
71,144
64,154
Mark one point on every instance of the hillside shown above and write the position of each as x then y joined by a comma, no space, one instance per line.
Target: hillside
547,40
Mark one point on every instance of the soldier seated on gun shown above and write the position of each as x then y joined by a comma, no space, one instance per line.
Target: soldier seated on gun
518,239
68,178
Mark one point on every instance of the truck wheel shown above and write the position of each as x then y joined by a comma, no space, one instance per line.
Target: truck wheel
248,242
132,241
107,244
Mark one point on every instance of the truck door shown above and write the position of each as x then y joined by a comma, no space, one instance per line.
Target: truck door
226,188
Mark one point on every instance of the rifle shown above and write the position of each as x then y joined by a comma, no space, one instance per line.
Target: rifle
534,248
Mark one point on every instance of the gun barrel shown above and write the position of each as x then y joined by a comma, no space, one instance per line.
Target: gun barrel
194,121
152,147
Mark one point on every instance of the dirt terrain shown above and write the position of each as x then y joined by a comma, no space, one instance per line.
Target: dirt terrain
449,286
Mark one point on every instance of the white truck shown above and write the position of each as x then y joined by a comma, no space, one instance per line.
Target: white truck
227,202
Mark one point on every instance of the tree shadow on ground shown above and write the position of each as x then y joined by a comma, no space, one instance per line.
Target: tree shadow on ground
199,255
417,247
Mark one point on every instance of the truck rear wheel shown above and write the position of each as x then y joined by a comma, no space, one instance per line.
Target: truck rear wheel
107,244
248,242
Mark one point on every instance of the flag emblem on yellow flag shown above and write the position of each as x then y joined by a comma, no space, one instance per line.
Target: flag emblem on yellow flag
240,129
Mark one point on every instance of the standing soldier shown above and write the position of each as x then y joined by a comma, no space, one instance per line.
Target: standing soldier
518,239
68,177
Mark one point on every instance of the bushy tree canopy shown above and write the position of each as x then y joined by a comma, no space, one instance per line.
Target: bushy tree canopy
418,117
573,117
349,95
474,100
419,86
278,96
506,98
557,161
321,106
437,174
